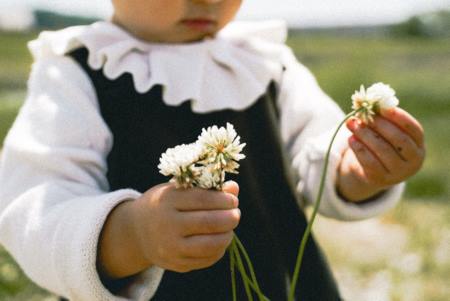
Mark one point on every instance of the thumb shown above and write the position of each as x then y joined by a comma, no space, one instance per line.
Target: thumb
231,187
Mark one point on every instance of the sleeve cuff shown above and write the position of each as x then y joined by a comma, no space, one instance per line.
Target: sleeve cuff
145,284
80,251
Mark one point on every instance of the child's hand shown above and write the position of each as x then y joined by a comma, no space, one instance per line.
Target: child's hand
381,154
186,229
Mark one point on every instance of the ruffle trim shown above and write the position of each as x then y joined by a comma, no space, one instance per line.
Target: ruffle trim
230,71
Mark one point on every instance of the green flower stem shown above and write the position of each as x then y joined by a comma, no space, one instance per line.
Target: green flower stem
316,208
242,270
233,274
247,279
250,266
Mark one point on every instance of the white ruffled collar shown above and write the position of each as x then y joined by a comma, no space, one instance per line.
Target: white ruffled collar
230,71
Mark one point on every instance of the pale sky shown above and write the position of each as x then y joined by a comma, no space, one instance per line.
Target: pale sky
296,12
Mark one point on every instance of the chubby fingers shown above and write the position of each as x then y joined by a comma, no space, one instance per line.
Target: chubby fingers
395,149
208,222
407,123
366,139
370,166
194,199
231,187
200,251
406,146
206,245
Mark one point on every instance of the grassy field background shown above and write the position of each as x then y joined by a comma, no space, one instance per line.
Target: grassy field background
403,255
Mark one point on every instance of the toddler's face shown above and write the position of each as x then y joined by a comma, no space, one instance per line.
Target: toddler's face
174,21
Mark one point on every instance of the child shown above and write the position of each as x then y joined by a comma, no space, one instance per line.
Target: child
83,208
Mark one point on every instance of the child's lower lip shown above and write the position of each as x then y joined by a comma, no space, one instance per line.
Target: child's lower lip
199,24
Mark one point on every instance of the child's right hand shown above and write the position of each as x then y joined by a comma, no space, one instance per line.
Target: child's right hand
185,229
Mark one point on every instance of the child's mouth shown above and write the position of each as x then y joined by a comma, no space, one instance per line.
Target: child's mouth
200,24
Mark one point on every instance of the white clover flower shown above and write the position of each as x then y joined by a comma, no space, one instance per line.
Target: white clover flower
221,147
377,97
211,178
384,94
179,162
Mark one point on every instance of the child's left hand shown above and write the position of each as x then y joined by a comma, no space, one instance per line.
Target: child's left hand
381,154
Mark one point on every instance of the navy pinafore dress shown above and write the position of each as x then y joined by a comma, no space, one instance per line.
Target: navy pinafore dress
272,223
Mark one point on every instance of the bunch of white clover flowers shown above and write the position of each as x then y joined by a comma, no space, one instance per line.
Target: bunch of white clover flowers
204,163
369,102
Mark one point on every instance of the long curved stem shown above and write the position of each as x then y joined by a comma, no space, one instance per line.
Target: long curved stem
252,270
316,208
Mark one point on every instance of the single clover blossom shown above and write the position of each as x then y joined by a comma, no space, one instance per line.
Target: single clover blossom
366,103
179,162
222,147
369,102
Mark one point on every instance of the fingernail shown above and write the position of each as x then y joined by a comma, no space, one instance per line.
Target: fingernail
390,111
352,124
238,212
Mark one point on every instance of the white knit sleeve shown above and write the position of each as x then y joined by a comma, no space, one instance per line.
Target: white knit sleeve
308,120
54,195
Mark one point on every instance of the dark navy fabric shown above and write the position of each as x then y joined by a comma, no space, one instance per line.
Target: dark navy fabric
272,223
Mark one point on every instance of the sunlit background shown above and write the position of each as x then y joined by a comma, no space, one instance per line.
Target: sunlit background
303,13
402,255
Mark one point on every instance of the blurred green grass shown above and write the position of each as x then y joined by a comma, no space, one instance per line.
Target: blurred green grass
15,62
416,68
